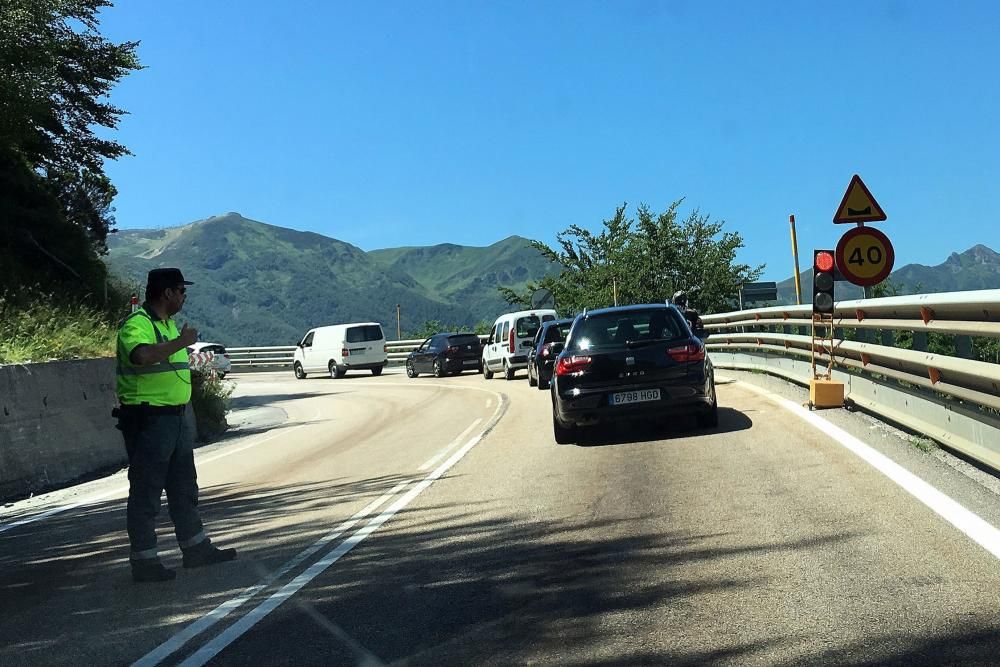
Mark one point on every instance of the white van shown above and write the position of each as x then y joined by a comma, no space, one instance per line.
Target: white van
339,348
510,341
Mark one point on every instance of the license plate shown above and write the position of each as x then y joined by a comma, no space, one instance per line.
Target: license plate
471,362
641,396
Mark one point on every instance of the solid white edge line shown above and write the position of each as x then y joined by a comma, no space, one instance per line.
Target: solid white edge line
177,641
454,443
124,489
972,525
240,627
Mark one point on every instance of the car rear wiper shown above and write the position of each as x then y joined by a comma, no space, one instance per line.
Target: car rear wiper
646,341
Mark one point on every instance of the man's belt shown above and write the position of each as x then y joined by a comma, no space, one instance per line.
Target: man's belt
147,409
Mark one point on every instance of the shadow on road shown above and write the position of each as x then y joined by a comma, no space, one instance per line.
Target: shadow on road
684,426
438,584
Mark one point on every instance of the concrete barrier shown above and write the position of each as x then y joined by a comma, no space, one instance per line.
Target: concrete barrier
56,424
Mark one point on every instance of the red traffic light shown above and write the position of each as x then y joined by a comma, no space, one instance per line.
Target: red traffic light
824,261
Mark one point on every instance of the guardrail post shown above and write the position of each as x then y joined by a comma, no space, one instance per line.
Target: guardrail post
963,345
920,341
888,337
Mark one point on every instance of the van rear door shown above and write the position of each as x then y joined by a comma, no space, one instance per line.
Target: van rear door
365,344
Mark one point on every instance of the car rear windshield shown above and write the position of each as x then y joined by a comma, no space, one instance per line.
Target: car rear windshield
463,339
556,333
527,327
364,334
628,327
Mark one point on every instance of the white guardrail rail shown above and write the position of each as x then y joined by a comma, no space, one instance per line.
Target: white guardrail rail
952,398
253,358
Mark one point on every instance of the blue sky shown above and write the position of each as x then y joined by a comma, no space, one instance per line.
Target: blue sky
416,123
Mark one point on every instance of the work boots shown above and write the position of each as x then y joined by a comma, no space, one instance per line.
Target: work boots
150,571
206,553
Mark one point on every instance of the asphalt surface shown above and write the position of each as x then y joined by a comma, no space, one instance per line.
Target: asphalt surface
396,521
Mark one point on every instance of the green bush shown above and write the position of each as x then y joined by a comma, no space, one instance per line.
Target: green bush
210,398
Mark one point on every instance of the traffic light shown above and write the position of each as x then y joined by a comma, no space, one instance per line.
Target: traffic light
823,270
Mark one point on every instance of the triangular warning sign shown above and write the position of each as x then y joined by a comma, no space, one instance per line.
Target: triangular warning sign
859,205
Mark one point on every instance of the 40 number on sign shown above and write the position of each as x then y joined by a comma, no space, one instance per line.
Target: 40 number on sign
865,256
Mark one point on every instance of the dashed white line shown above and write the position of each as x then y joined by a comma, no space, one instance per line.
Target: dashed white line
172,645
978,530
454,443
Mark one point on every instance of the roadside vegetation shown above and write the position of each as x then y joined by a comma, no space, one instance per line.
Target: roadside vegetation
643,260
56,298
38,326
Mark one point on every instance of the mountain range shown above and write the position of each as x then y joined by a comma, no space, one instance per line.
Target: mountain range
260,284
976,268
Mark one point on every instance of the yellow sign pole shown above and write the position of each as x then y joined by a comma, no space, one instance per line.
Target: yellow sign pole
795,261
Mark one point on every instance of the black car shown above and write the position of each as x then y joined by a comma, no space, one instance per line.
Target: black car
446,354
541,359
631,362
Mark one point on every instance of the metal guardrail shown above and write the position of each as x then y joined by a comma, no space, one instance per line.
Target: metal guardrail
281,356
953,399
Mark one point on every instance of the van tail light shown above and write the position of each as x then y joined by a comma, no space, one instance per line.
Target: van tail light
687,353
345,352
510,341
570,365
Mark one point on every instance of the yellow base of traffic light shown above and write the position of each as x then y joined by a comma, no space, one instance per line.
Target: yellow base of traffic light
826,394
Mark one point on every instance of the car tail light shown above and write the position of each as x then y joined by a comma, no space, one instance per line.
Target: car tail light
687,353
510,341
385,348
226,355
546,349
452,350
345,352
570,365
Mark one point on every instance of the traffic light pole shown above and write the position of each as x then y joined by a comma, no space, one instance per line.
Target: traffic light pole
824,391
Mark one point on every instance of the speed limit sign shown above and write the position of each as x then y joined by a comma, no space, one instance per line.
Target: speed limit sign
865,256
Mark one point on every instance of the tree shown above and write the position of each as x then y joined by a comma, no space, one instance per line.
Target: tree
56,71
643,261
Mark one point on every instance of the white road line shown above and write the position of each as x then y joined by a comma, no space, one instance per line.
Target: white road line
454,443
201,460
167,648
978,530
240,627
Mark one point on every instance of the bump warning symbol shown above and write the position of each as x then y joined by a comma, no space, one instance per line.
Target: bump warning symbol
858,205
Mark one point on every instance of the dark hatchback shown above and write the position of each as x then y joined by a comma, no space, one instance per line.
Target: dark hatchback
631,362
541,359
446,354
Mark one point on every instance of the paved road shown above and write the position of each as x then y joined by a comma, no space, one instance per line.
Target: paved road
378,524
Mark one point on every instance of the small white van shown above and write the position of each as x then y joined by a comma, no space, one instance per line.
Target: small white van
511,339
339,348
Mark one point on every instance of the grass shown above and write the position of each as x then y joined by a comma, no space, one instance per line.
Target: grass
44,329
925,445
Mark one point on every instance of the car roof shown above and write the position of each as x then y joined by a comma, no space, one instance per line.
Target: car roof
552,323
627,309
522,313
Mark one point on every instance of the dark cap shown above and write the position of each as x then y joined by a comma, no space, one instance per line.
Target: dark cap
166,278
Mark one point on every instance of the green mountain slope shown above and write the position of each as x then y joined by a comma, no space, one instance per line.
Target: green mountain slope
259,284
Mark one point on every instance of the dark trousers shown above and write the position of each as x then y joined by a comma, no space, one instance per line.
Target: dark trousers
161,457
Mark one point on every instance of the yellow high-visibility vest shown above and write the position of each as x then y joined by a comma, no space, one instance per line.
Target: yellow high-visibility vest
165,383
